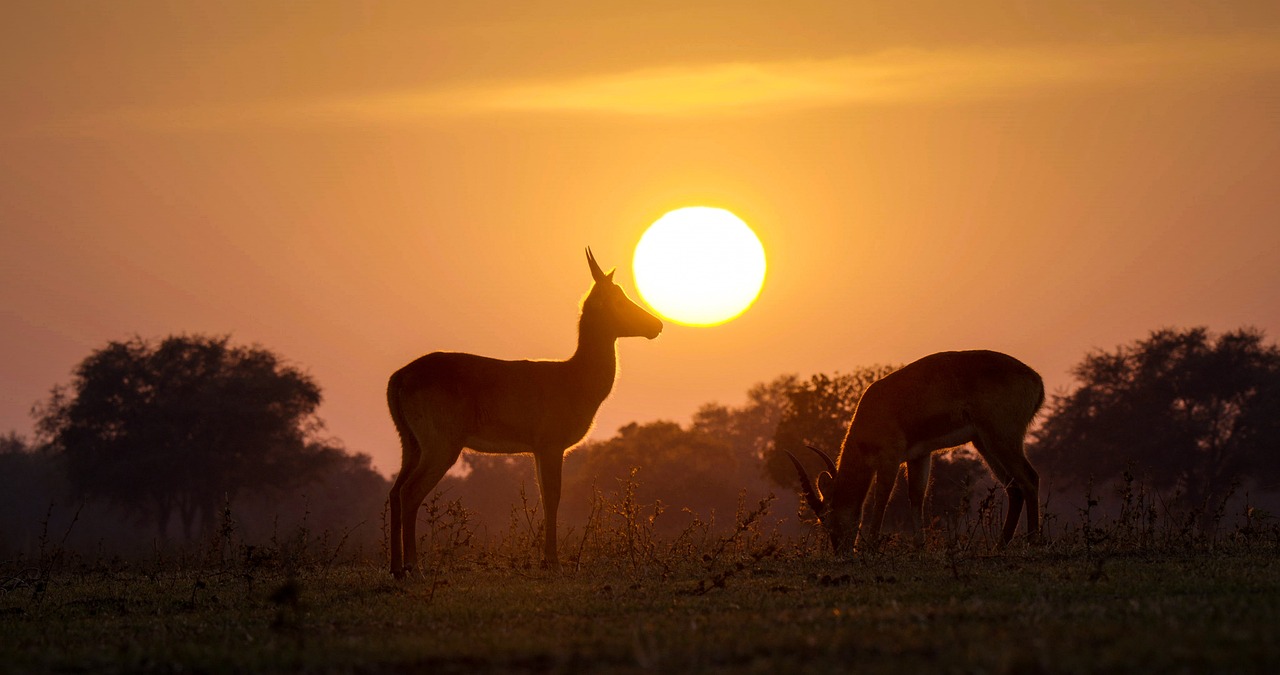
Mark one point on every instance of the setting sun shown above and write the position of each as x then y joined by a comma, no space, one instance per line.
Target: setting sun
699,266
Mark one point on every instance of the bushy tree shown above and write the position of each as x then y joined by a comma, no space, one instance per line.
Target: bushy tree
817,412
182,425
342,502
684,468
1188,410
748,429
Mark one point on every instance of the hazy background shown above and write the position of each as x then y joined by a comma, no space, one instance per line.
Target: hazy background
353,186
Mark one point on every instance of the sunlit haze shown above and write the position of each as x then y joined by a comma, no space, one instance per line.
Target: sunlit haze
699,265
354,185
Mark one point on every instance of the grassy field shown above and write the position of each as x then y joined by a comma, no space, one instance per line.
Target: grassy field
627,601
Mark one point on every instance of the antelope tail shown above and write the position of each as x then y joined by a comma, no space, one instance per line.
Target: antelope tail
408,445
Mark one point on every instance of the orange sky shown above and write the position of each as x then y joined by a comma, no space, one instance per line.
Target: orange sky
355,185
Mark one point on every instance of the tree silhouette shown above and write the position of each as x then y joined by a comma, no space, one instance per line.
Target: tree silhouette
749,429
28,478
681,467
1189,411
183,425
817,412
491,487
342,498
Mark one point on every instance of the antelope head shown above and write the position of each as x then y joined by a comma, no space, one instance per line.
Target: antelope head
610,308
841,524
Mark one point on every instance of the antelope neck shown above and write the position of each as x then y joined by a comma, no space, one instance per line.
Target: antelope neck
596,359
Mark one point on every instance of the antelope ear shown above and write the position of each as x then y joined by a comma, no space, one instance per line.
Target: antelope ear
824,485
596,274
609,276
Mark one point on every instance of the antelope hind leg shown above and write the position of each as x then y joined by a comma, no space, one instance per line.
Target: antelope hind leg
550,468
397,526
426,475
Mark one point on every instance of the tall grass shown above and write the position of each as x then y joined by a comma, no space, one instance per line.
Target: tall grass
721,591
624,536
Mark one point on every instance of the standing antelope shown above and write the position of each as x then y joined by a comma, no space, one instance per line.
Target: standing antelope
937,402
446,401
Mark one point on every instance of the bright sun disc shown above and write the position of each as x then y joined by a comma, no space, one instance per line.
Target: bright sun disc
699,266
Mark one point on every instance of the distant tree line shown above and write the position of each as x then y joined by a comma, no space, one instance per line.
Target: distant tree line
184,433
173,433
1192,414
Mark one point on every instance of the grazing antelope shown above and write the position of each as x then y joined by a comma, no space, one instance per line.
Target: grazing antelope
940,401
446,401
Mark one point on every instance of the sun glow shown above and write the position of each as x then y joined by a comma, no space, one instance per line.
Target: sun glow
699,266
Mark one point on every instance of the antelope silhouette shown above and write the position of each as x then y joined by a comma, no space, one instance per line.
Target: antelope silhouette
446,401
939,401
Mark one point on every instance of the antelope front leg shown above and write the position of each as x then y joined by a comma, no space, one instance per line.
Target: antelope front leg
873,513
550,466
917,483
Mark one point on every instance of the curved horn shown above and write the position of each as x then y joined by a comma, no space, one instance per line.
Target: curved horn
831,465
806,486
596,272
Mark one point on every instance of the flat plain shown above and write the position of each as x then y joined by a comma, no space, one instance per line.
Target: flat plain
746,604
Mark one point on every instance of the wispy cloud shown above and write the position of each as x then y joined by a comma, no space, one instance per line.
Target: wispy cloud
889,77
747,88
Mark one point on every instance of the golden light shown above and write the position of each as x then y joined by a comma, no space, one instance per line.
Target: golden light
699,266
